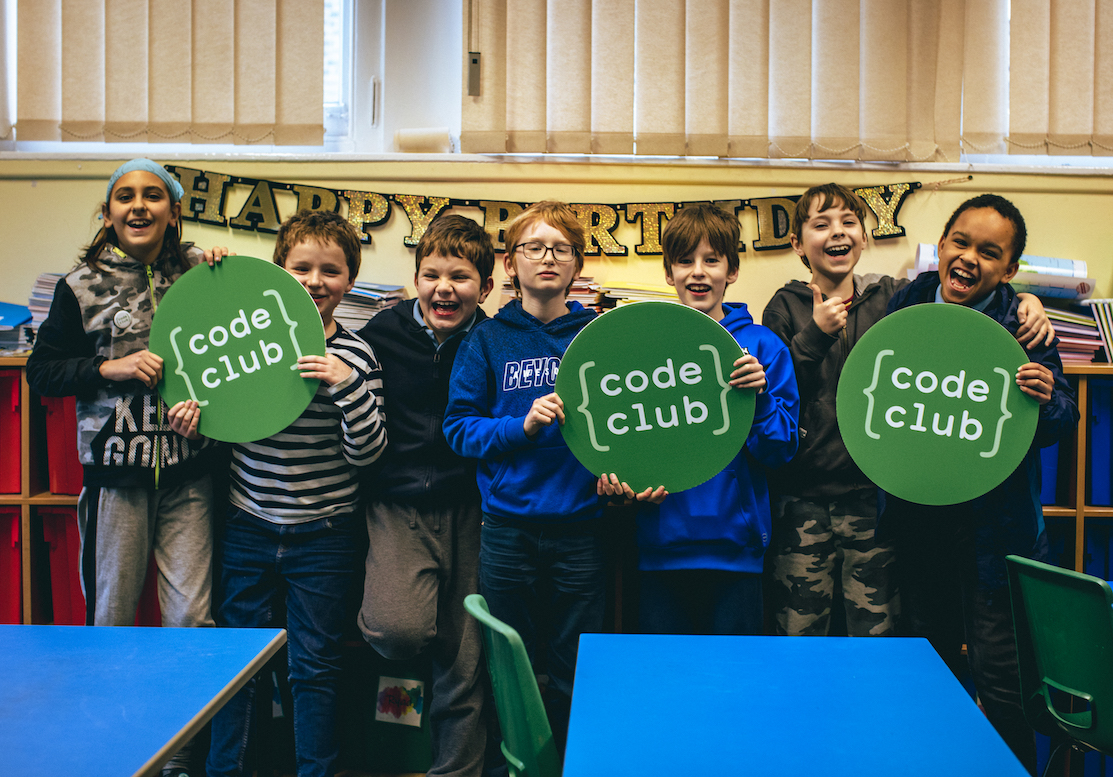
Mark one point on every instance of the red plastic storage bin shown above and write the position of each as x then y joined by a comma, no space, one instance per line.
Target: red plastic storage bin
10,431
61,535
11,567
66,474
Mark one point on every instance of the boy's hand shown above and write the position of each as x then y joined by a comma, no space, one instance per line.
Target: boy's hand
143,366
1036,381
544,411
609,485
830,314
328,368
1035,326
748,374
212,258
184,417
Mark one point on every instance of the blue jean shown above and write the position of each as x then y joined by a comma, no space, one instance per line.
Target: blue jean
548,582
303,571
700,601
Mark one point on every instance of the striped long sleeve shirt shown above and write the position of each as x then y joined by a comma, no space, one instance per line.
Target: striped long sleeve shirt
309,469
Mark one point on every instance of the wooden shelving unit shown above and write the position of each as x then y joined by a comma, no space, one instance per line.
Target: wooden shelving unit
1076,507
34,488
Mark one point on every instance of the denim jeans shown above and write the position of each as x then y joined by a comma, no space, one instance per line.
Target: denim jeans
303,572
700,601
548,582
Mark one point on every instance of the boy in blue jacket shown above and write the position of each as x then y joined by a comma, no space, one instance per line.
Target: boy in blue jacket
423,517
951,558
701,550
541,557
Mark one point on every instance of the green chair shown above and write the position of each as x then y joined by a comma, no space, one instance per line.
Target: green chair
1064,642
527,740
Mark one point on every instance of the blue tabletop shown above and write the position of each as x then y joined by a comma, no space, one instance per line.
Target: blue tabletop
77,700
671,704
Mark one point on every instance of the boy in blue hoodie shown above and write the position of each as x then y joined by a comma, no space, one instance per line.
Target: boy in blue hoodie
541,557
701,550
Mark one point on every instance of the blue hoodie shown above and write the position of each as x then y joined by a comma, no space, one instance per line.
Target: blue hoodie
725,522
503,365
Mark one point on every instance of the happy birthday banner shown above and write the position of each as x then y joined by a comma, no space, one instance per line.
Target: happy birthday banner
206,201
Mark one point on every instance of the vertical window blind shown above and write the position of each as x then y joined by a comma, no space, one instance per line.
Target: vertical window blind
167,71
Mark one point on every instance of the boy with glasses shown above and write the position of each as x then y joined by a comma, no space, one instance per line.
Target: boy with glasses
541,558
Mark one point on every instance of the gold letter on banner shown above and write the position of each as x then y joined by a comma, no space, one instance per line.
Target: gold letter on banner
315,198
885,208
260,212
774,221
419,217
651,213
204,194
599,222
496,216
366,210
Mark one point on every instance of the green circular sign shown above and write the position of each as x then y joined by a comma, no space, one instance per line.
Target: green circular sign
230,337
647,396
928,404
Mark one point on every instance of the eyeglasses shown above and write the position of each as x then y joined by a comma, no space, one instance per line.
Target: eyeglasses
535,252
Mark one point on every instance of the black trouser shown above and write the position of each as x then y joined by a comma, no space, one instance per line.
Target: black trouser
942,601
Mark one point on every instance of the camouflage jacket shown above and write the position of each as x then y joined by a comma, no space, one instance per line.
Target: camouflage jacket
102,314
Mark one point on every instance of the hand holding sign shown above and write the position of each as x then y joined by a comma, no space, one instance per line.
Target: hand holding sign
647,395
929,404
231,338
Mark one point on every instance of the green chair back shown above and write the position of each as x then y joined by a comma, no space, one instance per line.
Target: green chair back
527,740
1064,639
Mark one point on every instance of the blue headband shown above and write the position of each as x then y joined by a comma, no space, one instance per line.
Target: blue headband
172,186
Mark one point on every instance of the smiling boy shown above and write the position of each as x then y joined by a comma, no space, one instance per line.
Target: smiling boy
289,546
825,511
701,550
424,516
951,558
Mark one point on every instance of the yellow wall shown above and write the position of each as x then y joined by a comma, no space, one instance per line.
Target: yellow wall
49,206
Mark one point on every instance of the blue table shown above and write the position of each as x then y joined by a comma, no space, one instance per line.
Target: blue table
78,700
673,705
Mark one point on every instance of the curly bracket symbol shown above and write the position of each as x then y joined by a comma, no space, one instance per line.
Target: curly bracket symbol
726,387
868,391
583,408
293,324
181,372
1005,414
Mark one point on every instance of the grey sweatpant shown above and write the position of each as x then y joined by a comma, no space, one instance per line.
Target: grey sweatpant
120,527
420,565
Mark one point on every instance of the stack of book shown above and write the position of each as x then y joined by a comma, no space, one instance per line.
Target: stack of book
1080,335
42,294
364,301
1102,310
613,296
14,328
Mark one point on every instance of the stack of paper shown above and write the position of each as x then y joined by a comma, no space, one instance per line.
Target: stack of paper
42,294
1080,337
364,301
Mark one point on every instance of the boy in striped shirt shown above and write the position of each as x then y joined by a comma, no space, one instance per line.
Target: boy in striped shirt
290,544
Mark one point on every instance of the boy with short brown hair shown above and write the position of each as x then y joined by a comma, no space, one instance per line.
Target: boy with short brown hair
424,516
290,539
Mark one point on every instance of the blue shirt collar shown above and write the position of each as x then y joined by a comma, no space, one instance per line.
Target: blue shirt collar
421,321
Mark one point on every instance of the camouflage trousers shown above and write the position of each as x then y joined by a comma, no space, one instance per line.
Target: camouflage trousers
817,543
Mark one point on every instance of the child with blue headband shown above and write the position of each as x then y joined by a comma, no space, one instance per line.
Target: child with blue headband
147,485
